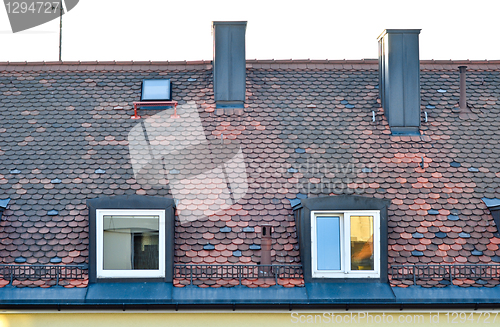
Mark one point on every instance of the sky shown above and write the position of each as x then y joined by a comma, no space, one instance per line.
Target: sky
162,30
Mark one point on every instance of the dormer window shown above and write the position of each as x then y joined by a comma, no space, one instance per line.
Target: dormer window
345,244
131,238
130,243
342,238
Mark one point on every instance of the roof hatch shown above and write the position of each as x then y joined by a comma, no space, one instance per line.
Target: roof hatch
156,90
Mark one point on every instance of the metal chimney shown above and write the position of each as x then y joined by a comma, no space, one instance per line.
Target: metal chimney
463,92
399,75
229,67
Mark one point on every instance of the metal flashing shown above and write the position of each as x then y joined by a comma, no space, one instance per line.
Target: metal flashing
492,204
129,292
3,205
350,292
294,202
229,104
312,295
494,207
42,296
451,294
239,295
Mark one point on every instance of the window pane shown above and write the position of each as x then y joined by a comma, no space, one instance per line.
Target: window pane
328,243
156,89
130,242
362,243
146,251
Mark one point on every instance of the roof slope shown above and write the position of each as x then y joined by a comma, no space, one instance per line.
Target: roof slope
306,131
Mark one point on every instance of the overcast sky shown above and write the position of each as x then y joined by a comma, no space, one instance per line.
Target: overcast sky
181,30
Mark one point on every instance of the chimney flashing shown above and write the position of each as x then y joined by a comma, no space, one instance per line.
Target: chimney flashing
405,131
230,104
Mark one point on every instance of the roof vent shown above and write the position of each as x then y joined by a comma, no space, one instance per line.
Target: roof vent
399,74
229,64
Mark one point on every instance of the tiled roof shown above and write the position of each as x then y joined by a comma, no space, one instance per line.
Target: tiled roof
306,130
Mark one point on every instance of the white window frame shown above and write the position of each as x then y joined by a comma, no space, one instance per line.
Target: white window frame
345,262
136,273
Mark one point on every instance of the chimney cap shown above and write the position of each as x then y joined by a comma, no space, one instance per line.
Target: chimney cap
398,31
228,22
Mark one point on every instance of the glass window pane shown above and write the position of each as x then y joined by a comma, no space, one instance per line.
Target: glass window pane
155,89
362,243
328,243
130,242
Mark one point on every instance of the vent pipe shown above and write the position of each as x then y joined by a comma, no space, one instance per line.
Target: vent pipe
229,66
265,251
266,243
463,92
399,74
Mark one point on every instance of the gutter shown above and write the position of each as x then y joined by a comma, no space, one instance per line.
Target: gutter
233,306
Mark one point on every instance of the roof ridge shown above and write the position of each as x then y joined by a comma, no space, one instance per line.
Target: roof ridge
249,61
114,62
194,62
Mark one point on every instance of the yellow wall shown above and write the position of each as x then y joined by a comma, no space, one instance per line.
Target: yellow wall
244,319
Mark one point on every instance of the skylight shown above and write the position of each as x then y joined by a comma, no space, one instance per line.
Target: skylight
156,90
